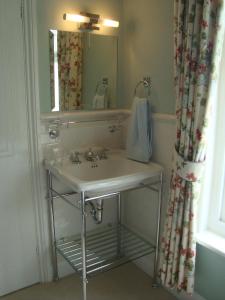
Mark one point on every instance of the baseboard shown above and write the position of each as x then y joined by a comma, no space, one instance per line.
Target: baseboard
146,264
64,268
182,296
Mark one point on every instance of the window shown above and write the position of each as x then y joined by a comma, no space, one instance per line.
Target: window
212,208
217,195
223,206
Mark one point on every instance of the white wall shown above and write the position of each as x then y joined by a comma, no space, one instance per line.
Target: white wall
147,49
147,27
140,209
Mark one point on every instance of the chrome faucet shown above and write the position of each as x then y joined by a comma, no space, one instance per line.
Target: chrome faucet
102,153
74,157
90,155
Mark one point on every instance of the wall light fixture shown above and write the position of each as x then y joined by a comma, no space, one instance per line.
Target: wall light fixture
89,21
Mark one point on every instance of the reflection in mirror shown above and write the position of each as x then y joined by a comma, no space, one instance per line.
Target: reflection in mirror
83,71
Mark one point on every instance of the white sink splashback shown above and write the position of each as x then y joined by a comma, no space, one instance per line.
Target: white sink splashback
85,135
83,129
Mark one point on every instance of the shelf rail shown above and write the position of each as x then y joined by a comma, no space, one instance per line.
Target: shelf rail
102,249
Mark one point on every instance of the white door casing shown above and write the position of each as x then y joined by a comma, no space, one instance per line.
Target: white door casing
18,237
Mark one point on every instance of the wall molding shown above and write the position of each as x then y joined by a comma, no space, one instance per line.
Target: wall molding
87,116
33,113
100,115
164,117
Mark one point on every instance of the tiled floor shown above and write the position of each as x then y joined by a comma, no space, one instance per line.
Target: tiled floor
124,283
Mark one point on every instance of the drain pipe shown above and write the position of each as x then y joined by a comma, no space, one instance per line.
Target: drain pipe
96,211
99,211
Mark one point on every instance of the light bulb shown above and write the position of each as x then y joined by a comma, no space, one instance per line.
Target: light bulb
110,23
76,18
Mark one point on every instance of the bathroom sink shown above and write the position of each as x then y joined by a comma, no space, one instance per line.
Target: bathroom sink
111,174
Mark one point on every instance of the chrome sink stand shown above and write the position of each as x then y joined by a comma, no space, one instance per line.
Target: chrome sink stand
83,253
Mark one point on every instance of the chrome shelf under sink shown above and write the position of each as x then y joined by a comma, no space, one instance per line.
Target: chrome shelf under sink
106,248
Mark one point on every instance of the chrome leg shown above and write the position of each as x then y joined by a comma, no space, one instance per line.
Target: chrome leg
119,208
119,223
52,224
83,246
155,275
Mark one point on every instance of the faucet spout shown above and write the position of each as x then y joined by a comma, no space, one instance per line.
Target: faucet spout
91,155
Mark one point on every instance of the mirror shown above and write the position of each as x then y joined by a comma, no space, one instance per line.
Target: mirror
83,71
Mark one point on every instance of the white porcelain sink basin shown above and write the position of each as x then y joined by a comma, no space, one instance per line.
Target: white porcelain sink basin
114,173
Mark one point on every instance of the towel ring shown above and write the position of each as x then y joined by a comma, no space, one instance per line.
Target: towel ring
146,82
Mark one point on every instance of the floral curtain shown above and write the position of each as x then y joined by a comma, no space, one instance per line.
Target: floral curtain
195,34
70,70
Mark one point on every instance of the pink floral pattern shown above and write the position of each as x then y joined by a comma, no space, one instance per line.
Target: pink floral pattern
70,55
196,28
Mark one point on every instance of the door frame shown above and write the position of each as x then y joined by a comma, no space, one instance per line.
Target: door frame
28,13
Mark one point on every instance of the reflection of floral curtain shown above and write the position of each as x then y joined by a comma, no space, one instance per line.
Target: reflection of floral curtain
51,46
195,32
70,69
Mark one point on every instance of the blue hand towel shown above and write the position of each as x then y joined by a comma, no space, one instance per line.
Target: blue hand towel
139,138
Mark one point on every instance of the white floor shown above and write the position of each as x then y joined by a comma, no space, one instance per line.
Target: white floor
124,283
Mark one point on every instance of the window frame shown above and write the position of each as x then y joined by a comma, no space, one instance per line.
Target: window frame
213,194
